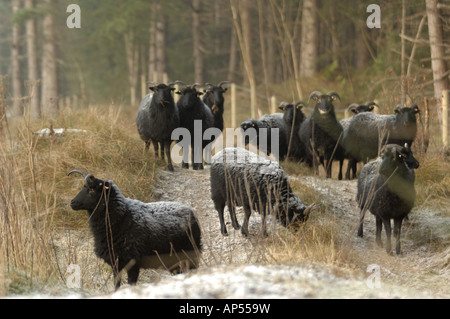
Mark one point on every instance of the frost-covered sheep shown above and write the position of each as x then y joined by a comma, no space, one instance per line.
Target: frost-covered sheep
368,132
321,133
242,178
386,189
193,111
130,235
156,119
293,118
264,134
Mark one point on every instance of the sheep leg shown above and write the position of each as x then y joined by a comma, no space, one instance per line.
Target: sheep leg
162,147
166,148
156,148
247,213
341,163
379,224
234,221
133,274
397,230
220,208
387,228
264,224
361,222
185,161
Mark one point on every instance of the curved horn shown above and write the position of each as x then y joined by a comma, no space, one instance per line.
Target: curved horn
171,84
195,85
77,172
315,94
282,106
299,105
352,106
398,108
224,82
334,94
372,103
151,83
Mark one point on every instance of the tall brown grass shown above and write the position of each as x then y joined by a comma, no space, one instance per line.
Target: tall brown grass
39,233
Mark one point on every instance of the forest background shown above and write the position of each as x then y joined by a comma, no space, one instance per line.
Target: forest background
276,47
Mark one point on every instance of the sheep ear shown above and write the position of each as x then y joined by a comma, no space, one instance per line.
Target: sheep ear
416,109
152,88
178,92
225,89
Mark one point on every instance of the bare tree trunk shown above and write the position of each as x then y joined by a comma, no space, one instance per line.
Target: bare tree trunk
160,43
233,56
132,53
309,40
437,53
33,81
403,55
197,41
50,103
242,23
15,64
152,47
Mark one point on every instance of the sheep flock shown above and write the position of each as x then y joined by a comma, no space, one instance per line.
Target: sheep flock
130,234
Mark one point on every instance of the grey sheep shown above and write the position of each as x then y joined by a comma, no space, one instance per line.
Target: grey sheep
355,109
130,235
362,137
156,119
386,189
321,133
242,178
193,111
293,118
265,125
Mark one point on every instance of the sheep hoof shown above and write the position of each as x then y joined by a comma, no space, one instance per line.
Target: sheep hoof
185,165
170,167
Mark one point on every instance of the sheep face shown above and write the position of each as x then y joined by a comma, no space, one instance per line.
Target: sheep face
189,96
249,131
92,196
214,98
162,94
324,102
406,114
293,115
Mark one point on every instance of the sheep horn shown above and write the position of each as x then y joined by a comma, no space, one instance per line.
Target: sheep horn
224,82
398,108
77,172
316,94
332,93
171,84
372,103
352,106
299,104
282,106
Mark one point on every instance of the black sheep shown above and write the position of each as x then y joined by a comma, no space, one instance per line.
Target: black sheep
264,133
196,117
242,178
129,234
294,117
386,189
156,119
321,133
214,99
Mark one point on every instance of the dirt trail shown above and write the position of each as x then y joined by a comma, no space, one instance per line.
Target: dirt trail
419,268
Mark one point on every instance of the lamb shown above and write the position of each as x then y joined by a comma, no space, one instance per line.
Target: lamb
367,132
130,235
293,118
355,109
321,133
265,125
156,119
386,189
242,178
193,112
